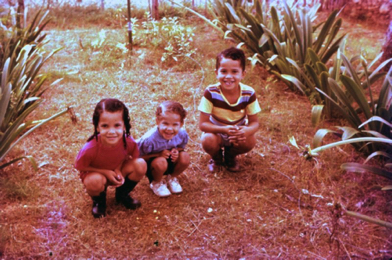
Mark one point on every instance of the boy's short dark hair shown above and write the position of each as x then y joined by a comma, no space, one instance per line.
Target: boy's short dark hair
173,107
233,54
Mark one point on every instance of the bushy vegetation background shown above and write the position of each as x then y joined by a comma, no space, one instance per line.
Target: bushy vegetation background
282,206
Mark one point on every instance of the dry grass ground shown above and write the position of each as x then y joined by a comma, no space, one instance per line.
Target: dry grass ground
281,206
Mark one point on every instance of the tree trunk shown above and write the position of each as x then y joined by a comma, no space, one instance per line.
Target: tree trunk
103,5
154,12
20,14
387,48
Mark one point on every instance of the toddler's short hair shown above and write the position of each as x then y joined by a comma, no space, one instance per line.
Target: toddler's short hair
173,107
231,53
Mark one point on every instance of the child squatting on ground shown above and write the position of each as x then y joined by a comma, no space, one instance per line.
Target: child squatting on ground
163,149
110,157
228,113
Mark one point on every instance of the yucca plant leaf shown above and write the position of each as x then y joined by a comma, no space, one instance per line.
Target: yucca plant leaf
345,102
305,78
233,13
34,21
353,119
385,92
348,132
258,11
293,142
42,122
10,137
308,31
380,67
325,86
254,25
361,168
313,75
296,30
369,219
273,37
357,93
332,49
35,67
5,95
350,70
276,24
5,74
242,27
374,133
375,60
319,136
313,57
357,140
330,37
255,59
388,187
263,40
321,67
375,118
324,31
337,63
15,128
377,153
29,157
301,87
316,114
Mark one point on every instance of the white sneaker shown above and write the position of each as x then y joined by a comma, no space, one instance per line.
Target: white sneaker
174,184
160,189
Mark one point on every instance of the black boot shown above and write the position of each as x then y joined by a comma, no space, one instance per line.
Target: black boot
99,205
231,160
122,194
216,161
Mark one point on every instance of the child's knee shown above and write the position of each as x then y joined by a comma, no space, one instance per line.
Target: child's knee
248,145
95,182
159,164
251,142
184,159
210,140
140,166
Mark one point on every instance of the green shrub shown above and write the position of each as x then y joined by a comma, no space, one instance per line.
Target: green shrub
21,86
280,39
168,35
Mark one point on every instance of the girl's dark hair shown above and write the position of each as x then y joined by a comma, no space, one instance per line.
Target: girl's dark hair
111,105
173,107
233,54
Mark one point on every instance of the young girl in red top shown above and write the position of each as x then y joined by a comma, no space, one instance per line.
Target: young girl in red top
110,157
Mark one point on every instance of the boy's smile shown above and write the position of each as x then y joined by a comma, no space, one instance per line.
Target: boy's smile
169,124
111,127
230,74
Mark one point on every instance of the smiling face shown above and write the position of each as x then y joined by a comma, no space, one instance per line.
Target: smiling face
169,124
111,127
230,74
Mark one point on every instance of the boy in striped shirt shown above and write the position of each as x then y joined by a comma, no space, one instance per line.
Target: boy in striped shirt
228,113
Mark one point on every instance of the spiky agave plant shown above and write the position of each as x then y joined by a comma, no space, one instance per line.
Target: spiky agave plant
21,86
19,96
374,141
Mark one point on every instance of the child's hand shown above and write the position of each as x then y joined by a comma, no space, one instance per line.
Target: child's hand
116,178
165,154
237,135
174,154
